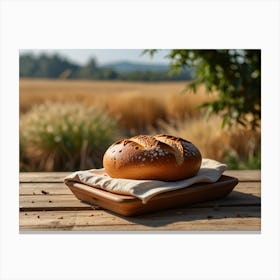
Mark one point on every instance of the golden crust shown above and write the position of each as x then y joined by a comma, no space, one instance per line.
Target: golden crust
160,157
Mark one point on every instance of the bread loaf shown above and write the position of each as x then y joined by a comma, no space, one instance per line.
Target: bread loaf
159,157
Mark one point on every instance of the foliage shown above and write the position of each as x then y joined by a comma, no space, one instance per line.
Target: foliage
45,66
65,137
55,66
253,161
91,71
235,74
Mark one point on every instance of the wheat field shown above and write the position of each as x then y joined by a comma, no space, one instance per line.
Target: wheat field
138,106
146,107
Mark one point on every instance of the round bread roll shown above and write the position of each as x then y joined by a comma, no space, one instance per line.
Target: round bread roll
159,157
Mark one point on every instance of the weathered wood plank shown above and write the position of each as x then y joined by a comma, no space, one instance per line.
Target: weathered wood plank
242,175
54,177
61,188
245,175
46,191
53,202
202,219
43,189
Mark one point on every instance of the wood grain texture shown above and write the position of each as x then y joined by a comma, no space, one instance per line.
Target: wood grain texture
46,204
243,194
242,175
60,188
131,206
43,188
50,177
237,218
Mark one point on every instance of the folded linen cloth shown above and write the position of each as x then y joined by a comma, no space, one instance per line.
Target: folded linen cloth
209,172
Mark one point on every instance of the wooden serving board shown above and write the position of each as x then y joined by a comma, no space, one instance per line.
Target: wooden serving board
130,206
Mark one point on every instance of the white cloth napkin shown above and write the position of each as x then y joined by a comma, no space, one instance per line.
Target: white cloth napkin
209,172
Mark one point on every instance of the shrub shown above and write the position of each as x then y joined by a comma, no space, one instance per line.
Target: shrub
65,137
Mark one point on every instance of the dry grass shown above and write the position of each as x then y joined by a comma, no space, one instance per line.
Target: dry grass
38,90
146,108
66,136
137,105
214,142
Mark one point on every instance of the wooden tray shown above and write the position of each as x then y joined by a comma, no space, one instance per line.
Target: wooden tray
130,206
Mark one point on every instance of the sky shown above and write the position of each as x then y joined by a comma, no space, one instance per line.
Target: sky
104,56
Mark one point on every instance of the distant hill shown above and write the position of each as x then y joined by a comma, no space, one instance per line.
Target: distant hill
56,67
125,66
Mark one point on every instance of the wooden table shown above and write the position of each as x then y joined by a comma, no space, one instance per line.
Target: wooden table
46,204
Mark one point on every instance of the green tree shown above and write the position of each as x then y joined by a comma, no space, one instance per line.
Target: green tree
89,71
234,74
28,65
44,66
109,74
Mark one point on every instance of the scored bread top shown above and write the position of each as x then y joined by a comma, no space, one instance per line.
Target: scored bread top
178,146
175,143
146,157
147,142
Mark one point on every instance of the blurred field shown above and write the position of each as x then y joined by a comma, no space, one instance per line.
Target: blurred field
146,107
137,105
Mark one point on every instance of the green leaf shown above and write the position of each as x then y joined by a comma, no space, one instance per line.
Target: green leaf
151,52
225,121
